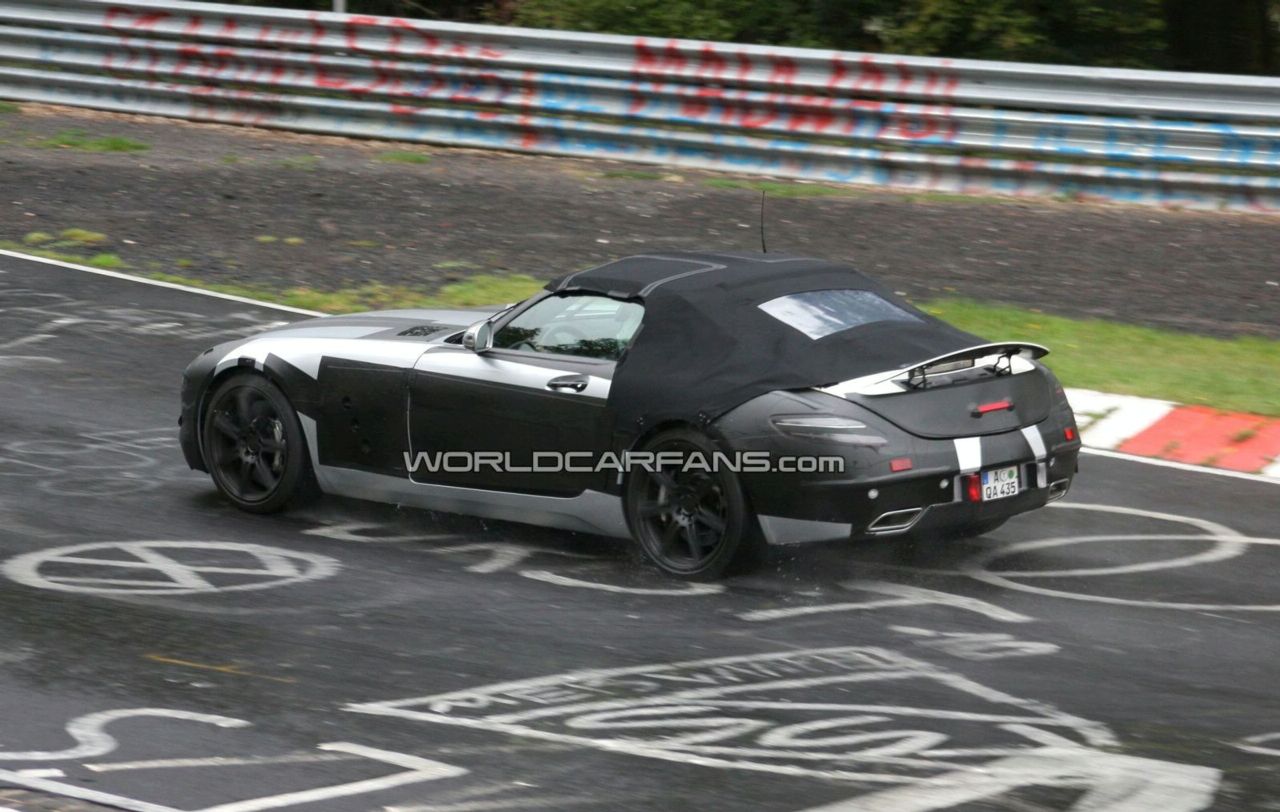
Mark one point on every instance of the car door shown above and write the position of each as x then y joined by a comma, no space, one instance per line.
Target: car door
484,419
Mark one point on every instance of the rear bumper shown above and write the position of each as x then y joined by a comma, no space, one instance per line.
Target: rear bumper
920,503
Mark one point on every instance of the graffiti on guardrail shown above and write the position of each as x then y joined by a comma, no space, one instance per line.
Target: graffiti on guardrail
913,122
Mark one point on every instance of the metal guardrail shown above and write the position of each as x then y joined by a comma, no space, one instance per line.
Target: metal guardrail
1192,140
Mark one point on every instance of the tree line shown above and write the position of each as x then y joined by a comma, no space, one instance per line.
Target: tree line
1226,36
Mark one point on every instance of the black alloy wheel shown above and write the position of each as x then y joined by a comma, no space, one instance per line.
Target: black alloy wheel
691,522
253,444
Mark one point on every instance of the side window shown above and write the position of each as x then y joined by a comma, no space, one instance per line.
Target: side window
587,326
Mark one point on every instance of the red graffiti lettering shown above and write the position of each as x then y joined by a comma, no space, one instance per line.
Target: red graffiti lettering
870,75
137,21
783,70
648,61
711,63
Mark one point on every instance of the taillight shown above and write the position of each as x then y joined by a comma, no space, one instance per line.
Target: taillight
972,487
828,427
1069,432
900,464
994,406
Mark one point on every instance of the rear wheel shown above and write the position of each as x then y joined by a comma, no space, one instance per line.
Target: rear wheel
688,521
253,444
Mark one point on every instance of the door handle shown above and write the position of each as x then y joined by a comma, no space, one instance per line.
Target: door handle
574,383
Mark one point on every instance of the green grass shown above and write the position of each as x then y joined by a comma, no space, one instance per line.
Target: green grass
110,262
488,289
9,107
632,174
777,188
80,140
82,236
403,157
301,163
1230,374
38,238
473,292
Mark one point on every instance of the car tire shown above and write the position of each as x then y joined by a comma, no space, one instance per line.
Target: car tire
253,445
692,524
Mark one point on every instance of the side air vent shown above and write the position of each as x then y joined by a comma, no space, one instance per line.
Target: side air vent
426,329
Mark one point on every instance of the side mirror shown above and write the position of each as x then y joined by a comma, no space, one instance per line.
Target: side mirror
478,337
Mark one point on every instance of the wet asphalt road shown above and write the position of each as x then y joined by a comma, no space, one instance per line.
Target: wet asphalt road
1115,652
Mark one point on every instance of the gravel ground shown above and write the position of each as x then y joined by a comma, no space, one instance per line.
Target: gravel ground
249,206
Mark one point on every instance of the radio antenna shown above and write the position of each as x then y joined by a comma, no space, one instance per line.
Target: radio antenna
764,249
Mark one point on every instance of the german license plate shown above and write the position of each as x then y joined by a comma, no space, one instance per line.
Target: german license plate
999,483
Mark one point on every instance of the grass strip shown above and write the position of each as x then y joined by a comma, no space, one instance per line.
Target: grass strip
1238,374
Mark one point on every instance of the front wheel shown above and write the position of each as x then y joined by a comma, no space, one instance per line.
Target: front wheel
253,444
691,522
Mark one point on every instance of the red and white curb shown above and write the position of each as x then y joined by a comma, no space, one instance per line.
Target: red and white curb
1194,435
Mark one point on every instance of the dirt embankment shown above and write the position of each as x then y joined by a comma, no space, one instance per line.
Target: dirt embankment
235,205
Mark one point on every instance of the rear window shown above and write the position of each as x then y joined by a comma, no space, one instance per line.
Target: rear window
819,313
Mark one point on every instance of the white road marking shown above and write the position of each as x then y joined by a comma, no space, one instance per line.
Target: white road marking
1210,528
1255,744
902,595
43,772
217,761
682,591
24,361
1264,477
502,555
1112,783
79,793
978,646
92,740
158,284
416,771
264,567
760,713
494,805
353,531
1008,579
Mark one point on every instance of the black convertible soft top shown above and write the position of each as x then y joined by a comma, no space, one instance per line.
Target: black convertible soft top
706,346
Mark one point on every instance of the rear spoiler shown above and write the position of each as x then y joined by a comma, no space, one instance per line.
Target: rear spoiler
914,375
1002,348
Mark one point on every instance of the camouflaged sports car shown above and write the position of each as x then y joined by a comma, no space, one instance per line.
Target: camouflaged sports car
860,415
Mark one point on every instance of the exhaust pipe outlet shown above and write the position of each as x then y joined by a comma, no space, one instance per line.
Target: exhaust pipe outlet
1058,489
895,521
